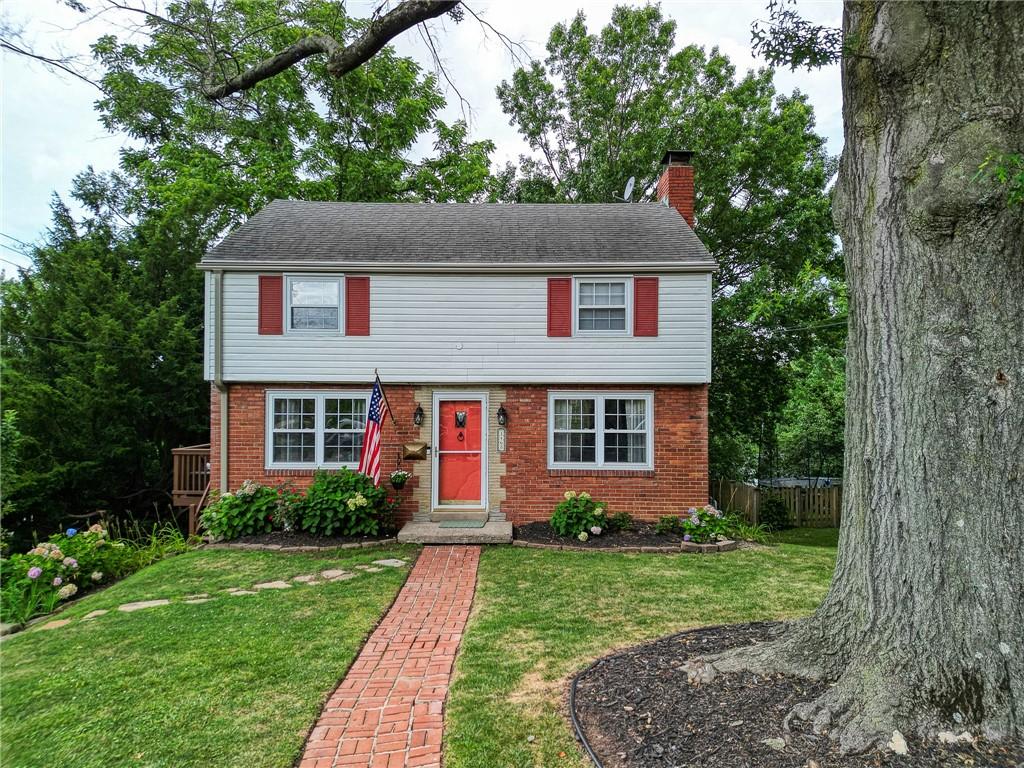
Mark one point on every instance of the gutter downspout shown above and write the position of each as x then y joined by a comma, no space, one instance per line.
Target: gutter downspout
218,372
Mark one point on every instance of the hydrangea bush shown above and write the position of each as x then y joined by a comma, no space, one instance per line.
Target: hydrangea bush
345,503
579,515
699,525
252,509
337,503
72,562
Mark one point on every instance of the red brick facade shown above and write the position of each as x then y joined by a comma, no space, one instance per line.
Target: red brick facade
679,478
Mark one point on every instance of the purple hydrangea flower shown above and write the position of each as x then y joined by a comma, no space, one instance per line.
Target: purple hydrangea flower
35,572
57,581
687,537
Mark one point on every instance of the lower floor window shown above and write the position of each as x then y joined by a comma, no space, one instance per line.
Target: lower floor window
589,429
315,429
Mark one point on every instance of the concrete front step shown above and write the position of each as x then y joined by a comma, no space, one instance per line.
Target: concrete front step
493,532
440,513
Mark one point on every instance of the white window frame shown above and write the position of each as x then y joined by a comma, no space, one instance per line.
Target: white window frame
320,277
626,280
319,418
599,398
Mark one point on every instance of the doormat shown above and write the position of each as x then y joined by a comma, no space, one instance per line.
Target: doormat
463,523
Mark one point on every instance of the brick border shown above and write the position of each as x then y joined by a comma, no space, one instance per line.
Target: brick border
388,710
302,548
687,546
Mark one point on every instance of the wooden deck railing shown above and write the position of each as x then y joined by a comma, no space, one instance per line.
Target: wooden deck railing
191,468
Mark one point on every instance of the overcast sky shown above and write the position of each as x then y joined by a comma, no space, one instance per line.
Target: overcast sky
50,131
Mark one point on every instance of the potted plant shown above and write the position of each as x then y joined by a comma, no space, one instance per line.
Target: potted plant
398,479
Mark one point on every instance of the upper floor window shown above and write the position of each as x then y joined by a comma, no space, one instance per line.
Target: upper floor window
602,306
314,303
308,429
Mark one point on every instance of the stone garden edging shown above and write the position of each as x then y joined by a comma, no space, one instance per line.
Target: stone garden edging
299,548
685,546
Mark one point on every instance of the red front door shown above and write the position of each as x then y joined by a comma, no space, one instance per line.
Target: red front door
459,452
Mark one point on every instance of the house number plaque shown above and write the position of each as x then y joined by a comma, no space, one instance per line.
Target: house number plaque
502,439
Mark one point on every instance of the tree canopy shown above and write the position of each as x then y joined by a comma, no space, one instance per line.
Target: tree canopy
603,107
102,338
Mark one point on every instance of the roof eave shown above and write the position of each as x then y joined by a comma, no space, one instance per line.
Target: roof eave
246,265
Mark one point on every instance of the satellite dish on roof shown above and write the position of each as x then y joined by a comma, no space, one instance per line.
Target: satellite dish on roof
628,194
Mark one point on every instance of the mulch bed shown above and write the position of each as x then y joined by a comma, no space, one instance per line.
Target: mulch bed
639,535
636,710
300,539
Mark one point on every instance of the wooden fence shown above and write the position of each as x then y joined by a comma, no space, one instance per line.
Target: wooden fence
807,507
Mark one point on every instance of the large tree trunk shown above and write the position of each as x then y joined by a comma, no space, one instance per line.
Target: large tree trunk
923,626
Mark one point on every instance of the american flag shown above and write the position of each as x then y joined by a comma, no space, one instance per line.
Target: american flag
369,459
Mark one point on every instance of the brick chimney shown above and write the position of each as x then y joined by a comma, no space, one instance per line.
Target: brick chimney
676,183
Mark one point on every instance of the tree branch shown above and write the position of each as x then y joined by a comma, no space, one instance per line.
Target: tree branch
341,58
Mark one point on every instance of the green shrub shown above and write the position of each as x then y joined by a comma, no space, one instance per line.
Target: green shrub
579,515
345,503
699,524
253,509
620,521
669,524
74,562
773,513
739,529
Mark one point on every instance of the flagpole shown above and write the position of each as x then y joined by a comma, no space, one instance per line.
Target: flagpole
376,377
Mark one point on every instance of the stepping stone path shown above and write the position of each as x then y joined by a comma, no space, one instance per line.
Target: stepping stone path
388,711
55,624
309,579
273,585
142,605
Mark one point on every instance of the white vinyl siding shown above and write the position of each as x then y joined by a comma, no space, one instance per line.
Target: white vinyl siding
461,328
600,430
307,429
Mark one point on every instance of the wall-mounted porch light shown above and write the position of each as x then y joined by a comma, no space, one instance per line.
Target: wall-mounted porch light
417,415
502,416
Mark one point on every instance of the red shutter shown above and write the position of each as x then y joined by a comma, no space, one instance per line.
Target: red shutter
271,309
559,306
357,306
645,306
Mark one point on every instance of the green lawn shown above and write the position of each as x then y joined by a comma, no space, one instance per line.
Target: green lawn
540,615
236,681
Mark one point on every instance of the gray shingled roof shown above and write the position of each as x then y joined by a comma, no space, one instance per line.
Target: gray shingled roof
298,233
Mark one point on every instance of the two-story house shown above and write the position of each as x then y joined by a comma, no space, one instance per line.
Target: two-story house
524,350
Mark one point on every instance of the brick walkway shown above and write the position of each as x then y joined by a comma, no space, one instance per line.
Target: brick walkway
387,712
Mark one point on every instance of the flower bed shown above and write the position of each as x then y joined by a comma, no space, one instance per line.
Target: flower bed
73,562
637,537
339,503
297,541
581,522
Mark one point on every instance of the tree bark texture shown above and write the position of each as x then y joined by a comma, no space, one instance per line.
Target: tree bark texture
923,625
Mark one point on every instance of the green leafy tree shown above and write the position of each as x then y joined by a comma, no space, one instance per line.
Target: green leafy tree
920,630
603,107
810,431
102,338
